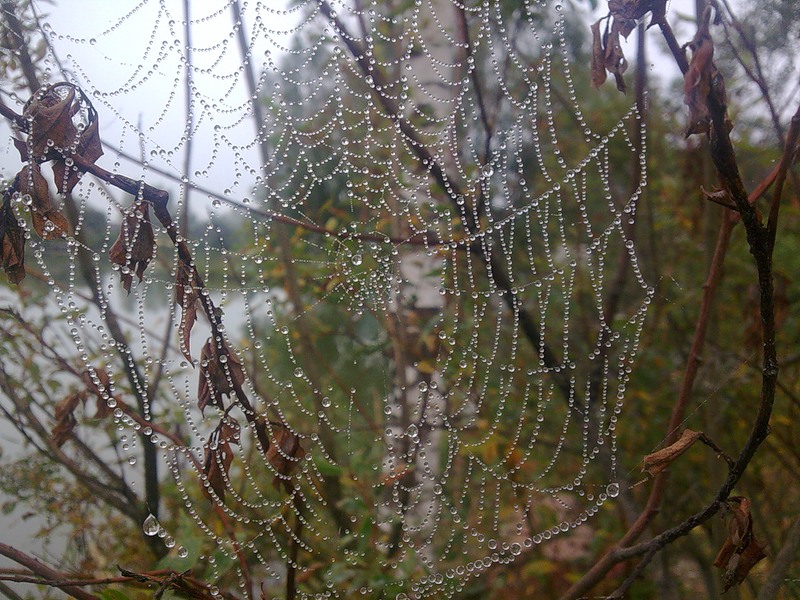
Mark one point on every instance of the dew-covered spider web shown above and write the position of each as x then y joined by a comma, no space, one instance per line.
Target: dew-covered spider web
417,246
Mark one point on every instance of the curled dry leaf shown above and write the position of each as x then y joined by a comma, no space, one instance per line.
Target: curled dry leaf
65,417
220,374
50,112
63,123
89,148
48,223
741,550
284,454
607,52
187,296
615,60
32,183
721,197
218,458
598,56
12,243
658,461
697,85
702,80
135,246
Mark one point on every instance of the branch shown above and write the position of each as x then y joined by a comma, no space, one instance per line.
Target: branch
47,573
787,159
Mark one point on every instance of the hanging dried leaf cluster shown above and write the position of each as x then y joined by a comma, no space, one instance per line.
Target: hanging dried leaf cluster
218,458
57,124
741,550
221,374
135,246
607,54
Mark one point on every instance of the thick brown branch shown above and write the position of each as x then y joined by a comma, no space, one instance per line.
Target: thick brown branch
45,572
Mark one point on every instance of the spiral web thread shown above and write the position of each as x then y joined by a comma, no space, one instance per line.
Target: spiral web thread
457,220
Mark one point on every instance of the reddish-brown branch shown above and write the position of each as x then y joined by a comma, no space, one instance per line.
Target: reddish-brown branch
48,574
787,159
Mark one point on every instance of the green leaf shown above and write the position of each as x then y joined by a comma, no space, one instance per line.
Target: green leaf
326,468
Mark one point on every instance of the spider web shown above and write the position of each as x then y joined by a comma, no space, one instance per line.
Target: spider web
417,241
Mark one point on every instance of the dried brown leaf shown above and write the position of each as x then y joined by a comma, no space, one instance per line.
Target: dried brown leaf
48,223
697,85
51,225
220,374
187,296
219,457
50,112
89,148
658,461
284,454
12,244
32,183
22,148
741,551
135,246
598,56
615,61
65,418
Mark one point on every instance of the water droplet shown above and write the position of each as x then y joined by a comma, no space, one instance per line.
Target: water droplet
612,489
182,552
151,525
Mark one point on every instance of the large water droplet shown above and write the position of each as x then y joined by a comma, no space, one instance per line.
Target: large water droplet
151,525
612,490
